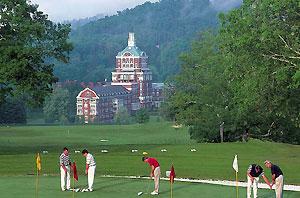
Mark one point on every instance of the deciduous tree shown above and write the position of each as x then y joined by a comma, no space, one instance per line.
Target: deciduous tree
28,40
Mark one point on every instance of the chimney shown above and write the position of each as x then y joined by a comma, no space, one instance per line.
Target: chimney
131,41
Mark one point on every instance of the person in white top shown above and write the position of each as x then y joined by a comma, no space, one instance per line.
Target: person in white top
65,166
89,168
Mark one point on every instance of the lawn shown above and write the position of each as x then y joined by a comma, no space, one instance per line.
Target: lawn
18,146
24,187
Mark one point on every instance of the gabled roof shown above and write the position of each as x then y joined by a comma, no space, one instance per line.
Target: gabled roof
134,50
110,90
87,92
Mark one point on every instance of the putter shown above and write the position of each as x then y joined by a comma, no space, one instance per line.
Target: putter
148,186
140,193
75,189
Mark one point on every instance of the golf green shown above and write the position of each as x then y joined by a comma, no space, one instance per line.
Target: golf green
19,145
49,186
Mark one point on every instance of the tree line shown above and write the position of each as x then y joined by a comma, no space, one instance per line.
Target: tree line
28,40
243,79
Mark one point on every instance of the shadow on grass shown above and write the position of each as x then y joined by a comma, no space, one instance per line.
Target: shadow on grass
111,183
175,189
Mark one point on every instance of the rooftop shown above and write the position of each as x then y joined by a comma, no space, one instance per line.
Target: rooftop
110,90
133,50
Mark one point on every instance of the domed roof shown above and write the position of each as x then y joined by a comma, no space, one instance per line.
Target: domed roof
133,51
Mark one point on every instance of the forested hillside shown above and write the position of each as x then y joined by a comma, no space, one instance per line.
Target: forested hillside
75,23
243,80
163,30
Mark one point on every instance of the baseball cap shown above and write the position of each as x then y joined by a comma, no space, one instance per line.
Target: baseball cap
267,162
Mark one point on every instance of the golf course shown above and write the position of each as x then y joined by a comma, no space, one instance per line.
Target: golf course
20,144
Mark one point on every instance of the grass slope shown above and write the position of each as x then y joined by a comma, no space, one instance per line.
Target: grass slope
18,146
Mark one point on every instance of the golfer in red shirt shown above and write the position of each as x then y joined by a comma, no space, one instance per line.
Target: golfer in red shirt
155,172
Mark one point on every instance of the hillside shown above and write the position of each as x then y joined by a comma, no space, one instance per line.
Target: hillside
75,23
163,30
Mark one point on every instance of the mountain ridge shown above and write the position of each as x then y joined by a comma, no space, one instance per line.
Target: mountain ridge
163,30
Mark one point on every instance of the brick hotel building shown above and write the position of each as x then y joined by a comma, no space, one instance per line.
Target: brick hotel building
131,88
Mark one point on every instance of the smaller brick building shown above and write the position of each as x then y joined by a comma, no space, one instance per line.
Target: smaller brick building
157,95
102,102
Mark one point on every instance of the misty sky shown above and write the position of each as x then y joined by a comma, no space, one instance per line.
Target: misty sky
60,10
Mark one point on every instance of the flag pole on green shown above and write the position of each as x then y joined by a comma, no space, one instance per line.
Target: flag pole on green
75,177
38,169
172,177
235,166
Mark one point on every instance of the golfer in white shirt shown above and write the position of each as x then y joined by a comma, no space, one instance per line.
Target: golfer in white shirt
90,168
65,166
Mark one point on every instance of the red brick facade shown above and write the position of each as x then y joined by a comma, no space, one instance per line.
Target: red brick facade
131,88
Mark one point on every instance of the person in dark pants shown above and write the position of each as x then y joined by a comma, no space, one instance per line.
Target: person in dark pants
253,173
277,178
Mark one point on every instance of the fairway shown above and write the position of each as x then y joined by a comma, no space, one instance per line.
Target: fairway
24,187
19,145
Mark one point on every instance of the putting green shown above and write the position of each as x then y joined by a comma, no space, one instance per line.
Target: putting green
19,145
49,186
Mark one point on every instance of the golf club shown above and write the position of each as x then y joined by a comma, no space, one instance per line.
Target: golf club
147,184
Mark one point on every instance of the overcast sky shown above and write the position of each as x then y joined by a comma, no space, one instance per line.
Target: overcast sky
60,10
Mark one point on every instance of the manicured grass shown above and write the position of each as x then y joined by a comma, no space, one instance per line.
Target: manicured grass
18,146
15,187
34,138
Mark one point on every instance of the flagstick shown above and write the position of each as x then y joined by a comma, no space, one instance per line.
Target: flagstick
237,184
171,189
37,183
73,185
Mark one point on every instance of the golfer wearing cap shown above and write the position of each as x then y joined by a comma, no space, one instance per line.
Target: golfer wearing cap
253,173
89,168
277,178
155,172
65,162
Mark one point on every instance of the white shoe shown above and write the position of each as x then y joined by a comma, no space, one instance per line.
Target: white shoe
154,193
90,189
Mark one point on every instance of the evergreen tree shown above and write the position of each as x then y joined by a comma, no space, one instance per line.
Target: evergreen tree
142,116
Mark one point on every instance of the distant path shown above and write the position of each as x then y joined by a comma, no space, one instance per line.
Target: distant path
217,182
